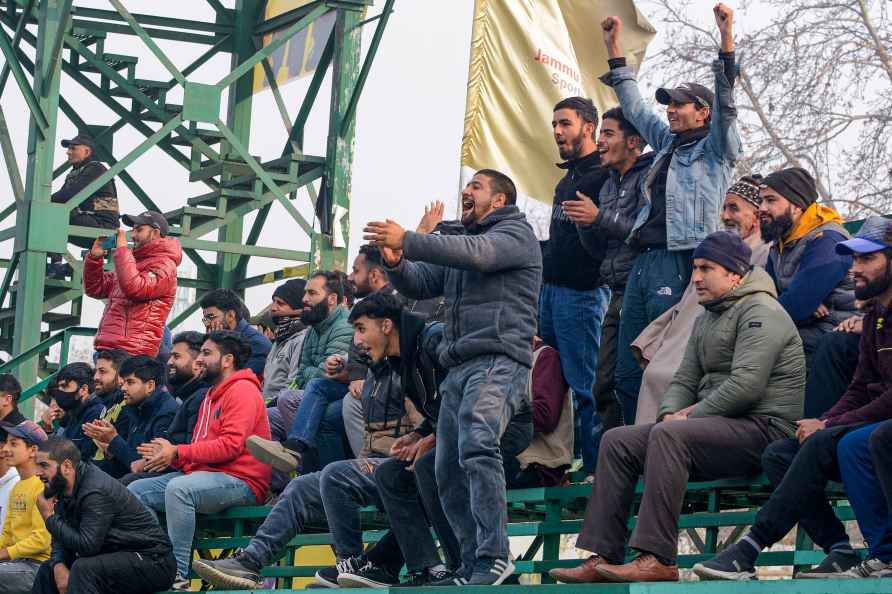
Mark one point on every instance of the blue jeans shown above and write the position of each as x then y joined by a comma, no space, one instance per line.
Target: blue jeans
656,282
180,496
318,394
570,321
337,493
479,398
865,492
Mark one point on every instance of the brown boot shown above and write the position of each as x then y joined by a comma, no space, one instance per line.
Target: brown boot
581,574
645,568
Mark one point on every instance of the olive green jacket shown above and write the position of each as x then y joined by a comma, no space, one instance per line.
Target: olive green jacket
744,358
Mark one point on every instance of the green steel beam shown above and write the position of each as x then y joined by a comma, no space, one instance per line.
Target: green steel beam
339,152
281,21
52,17
183,315
7,277
302,270
222,247
16,38
222,12
59,34
241,266
350,112
21,80
168,34
12,164
273,45
148,19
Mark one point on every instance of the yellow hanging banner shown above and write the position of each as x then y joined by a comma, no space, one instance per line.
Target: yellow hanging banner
526,55
301,54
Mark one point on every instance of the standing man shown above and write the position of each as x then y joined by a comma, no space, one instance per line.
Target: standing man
573,299
605,230
99,210
696,150
490,279
663,342
223,309
812,278
141,290
104,540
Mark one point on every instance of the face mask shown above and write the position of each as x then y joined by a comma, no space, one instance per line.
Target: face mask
66,400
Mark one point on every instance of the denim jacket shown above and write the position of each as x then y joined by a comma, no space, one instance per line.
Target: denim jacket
699,173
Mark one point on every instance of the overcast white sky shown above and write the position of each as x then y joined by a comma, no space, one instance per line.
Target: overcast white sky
408,131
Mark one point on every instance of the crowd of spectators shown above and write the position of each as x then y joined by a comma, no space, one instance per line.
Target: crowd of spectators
676,325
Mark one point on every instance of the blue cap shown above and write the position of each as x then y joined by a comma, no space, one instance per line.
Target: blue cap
25,430
874,235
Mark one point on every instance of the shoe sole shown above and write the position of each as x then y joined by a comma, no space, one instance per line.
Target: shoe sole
351,580
270,454
705,573
570,580
218,579
321,582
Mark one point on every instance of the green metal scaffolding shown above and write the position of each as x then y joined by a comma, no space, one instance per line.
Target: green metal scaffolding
199,136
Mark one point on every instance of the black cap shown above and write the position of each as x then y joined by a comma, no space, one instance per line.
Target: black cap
727,249
155,219
80,139
686,93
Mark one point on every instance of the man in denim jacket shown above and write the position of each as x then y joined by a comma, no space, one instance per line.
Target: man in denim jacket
696,150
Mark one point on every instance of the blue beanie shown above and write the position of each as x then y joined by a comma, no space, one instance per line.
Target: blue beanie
726,249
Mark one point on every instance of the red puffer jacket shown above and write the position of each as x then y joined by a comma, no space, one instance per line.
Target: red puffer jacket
140,294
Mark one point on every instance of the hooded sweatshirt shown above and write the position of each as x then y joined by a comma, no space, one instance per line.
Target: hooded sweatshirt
231,412
744,358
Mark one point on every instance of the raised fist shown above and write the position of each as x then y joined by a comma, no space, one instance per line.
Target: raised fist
724,16
611,27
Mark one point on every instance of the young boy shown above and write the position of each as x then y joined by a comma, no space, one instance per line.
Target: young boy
25,542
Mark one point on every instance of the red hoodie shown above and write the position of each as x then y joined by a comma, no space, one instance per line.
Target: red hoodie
231,412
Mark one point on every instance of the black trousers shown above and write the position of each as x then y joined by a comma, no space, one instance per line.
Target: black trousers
606,400
112,573
831,368
800,474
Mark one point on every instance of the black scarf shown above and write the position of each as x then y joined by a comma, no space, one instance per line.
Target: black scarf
689,136
286,327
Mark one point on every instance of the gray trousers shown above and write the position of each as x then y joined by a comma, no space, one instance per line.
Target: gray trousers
667,455
479,398
17,577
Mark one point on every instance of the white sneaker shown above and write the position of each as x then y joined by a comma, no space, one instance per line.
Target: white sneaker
871,568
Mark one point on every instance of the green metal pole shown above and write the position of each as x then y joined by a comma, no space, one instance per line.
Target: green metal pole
53,16
339,157
238,119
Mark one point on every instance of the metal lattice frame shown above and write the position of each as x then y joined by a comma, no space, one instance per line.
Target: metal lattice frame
70,40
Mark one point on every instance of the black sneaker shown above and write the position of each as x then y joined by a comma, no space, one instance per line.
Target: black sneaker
450,578
427,577
730,564
327,577
837,562
234,573
369,576
491,572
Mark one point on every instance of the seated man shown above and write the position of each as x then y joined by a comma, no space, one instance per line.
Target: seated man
149,410
662,344
811,277
73,403
833,364
98,210
24,543
223,309
299,411
801,468
214,471
289,333
337,493
739,387
104,540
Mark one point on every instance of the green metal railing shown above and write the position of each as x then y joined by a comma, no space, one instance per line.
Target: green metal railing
62,337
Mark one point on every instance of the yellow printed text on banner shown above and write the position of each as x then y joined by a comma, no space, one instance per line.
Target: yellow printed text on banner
526,55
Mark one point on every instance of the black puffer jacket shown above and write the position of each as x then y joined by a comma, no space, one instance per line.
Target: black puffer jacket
419,369
103,203
621,200
101,517
564,261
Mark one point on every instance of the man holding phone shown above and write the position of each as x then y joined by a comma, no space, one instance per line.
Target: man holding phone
142,288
